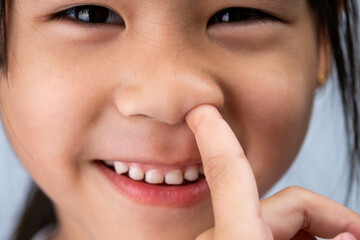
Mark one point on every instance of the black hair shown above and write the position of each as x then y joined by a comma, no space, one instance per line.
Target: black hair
38,213
342,31
337,21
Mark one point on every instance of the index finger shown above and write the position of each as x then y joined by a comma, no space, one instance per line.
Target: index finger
229,175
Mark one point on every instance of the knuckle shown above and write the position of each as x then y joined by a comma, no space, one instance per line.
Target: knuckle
296,194
293,190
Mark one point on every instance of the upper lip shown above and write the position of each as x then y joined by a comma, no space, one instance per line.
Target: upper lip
114,137
145,146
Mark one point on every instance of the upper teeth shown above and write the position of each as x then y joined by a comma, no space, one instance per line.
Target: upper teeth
174,177
156,176
121,168
191,174
136,173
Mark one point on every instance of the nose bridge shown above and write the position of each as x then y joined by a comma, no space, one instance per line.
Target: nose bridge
165,23
168,85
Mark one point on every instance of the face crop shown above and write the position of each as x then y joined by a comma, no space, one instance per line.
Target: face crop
97,92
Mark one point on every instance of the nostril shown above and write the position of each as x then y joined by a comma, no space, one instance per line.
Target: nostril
169,98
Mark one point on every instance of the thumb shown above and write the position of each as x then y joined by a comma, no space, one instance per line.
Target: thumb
345,236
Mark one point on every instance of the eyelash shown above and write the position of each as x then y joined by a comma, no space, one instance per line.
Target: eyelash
90,14
240,14
93,15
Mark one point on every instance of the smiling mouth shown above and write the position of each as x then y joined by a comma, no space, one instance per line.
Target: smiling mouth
159,185
156,175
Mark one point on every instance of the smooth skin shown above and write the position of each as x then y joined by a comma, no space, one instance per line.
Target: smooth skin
294,213
76,92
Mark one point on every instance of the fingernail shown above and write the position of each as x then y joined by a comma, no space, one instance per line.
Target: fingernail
348,236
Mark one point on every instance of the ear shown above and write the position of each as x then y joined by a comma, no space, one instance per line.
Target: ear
324,55
325,50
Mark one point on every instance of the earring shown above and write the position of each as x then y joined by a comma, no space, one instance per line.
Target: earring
321,79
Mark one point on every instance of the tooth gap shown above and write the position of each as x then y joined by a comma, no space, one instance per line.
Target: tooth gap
109,167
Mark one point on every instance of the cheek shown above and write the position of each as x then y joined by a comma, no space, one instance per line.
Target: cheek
269,112
45,119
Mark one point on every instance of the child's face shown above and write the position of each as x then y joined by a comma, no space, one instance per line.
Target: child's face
77,93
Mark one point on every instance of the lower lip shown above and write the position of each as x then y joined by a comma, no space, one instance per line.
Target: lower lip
172,196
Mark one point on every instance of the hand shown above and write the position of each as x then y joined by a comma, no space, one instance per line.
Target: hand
293,213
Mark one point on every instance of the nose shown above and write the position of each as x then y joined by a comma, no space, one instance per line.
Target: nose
168,92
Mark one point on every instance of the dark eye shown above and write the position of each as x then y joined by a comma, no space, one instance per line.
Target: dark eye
237,14
91,14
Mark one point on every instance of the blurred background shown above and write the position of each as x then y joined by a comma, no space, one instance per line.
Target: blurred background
321,165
